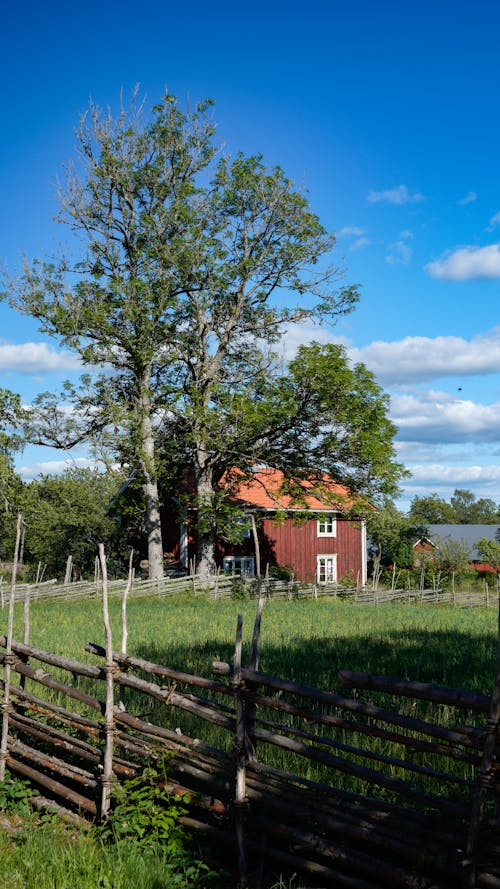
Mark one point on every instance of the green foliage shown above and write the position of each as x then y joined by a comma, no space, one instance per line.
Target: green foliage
392,536
52,855
451,555
489,550
145,813
67,515
463,509
15,796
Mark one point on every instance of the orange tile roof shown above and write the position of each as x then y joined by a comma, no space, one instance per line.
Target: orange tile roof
264,491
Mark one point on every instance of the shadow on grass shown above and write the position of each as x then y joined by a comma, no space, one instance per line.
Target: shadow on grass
451,658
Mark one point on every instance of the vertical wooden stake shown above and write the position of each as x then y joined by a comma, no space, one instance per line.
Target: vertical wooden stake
97,576
111,668
126,591
256,548
26,626
485,775
8,660
240,789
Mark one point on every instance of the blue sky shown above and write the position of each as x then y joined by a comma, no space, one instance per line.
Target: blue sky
387,113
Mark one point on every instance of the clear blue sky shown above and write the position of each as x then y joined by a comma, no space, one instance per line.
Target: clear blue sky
387,112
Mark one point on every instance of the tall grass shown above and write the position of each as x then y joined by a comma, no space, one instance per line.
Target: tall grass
309,641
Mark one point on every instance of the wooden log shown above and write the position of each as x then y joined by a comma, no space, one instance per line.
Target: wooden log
319,718
49,805
6,706
67,743
397,785
484,774
111,669
77,668
380,809
239,743
155,731
39,675
53,764
126,592
360,752
319,871
39,729
129,662
355,862
400,843
25,700
209,712
55,787
465,735
426,691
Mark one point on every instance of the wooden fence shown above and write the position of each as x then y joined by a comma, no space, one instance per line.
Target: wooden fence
350,790
222,586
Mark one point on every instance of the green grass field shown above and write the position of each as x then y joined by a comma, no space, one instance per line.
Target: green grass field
306,640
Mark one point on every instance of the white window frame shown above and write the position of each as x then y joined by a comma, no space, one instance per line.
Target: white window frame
246,565
327,525
326,573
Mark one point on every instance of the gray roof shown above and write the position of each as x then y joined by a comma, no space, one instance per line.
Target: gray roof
468,534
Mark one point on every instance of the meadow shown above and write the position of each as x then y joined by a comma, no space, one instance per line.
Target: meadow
305,640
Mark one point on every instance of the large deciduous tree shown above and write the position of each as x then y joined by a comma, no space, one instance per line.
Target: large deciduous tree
190,266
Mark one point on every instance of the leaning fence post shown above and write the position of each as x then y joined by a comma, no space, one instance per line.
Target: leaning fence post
111,669
126,591
9,658
240,789
485,776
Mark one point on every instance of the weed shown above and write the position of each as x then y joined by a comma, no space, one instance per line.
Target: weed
145,813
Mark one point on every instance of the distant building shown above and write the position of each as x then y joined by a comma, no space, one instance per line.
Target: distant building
468,535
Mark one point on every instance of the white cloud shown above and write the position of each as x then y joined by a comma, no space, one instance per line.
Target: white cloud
467,263
361,242
54,467
400,253
297,335
494,222
350,231
468,199
441,418
454,475
35,358
399,195
419,358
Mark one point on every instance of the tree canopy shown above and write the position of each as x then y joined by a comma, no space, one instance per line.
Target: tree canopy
463,509
191,264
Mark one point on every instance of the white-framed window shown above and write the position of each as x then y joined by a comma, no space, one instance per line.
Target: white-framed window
327,525
327,569
239,566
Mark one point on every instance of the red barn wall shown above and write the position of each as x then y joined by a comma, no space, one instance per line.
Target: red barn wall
298,545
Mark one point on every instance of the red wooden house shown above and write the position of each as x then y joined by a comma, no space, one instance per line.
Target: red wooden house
328,546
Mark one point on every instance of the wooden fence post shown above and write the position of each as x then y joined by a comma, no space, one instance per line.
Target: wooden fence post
126,592
240,750
484,777
111,669
9,658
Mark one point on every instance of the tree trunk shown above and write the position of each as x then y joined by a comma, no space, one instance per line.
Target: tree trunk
205,538
150,484
153,529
